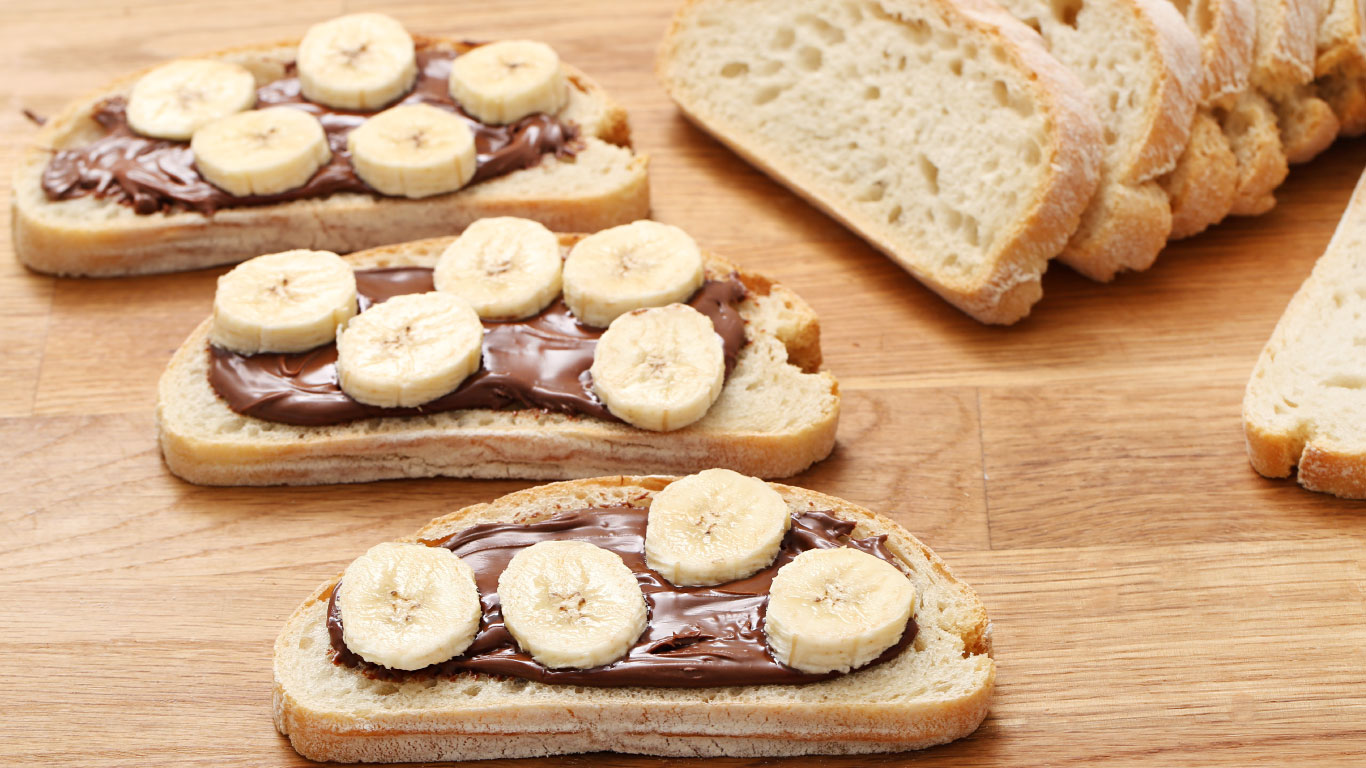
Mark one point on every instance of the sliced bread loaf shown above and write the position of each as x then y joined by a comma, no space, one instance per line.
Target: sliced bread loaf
935,691
603,185
1305,404
1142,69
940,131
775,416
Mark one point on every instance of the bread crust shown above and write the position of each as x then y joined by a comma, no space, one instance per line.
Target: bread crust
857,713
204,442
1004,292
1281,441
605,185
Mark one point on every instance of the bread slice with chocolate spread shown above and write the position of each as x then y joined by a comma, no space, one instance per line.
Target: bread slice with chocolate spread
602,184
936,690
775,416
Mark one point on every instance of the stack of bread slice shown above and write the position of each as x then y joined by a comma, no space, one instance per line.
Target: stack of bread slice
974,141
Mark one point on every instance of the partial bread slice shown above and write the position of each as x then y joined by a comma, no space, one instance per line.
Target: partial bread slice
1142,69
1340,65
934,692
1249,122
775,417
1305,403
1287,31
939,131
605,184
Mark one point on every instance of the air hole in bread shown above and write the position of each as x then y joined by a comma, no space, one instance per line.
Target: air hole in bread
824,29
783,38
956,66
872,93
918,31
388,689
873,192
1110,136
1032,153
1034,24
999,90
810,58
766,94
1345,381
734,69
998,53
931,173
1066,11
970,230
305,643
894,215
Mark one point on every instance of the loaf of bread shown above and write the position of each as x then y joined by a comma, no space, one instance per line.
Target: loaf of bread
1305,405
965,152
936,690
775,416
602,185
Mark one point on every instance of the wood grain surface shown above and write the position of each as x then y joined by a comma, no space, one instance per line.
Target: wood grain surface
1155,601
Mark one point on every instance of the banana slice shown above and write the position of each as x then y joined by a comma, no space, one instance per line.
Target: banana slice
571,604
659,369
415,150
406,606
283,302
362,61
506,268
503,82
836,610
637,265
176,99
713,527
261,151
409,350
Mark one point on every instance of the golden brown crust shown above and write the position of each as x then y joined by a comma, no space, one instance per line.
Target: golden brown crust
876,710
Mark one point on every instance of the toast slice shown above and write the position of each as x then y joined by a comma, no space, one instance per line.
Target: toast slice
966,154
603,185
1305,404
775,417
1142,68
1204,184
935,691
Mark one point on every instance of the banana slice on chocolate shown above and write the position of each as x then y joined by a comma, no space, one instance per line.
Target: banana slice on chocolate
362,61
178,98
506,268
713,527
833,610
409,350
413,151
261,151
637,265
659,369
571,604
283,302
406,606
503,82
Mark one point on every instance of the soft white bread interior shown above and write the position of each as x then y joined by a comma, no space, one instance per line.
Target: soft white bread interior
1142,68
775,417
605,184
966,152
1305,404
936,691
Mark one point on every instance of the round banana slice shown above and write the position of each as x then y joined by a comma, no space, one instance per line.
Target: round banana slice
407,606
283,302
713,527
833,610
503,82
176,99
506,268
637,265
362,61
409,350
415,150
261,151
571,604
659,369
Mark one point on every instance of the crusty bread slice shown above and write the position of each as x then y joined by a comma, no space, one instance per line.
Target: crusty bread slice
1249,122
775,417
1142,68
605,184
1203,186
1340,64
1283,70
939,131
1305,403
936,691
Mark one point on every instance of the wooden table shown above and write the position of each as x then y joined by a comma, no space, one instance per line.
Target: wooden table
1155,601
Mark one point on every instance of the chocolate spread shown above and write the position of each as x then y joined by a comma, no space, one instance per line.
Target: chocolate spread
541,362
159,174
696,636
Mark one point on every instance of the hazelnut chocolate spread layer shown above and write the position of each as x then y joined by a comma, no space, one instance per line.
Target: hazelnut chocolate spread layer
159,174
540,362
696,636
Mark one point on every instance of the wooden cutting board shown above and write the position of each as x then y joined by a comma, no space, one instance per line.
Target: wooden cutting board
1155,602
